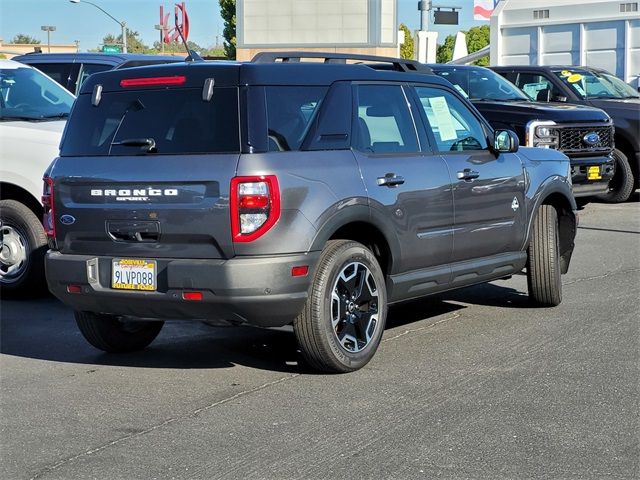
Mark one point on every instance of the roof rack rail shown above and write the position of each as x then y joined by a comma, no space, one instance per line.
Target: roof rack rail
373,61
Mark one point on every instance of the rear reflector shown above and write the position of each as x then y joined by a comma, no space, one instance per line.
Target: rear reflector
300,271
254,201
193,296
74,288
153,81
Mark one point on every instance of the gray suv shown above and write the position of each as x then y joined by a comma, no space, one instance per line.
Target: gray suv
273,193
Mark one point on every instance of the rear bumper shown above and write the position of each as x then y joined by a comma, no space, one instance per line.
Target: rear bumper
254,290
582,186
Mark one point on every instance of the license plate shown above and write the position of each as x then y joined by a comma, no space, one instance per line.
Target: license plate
133,274
593,173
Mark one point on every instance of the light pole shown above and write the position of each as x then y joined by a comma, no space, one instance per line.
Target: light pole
162,29
48,29
122,24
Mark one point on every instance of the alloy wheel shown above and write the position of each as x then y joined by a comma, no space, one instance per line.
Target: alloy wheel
354,307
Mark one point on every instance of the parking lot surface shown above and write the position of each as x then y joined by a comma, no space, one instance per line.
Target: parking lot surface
476,383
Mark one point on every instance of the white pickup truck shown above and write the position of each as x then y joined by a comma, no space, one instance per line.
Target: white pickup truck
33,112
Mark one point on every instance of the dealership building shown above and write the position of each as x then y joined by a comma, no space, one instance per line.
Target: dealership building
598,33
337,26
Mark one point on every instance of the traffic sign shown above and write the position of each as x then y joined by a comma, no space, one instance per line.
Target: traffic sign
112,49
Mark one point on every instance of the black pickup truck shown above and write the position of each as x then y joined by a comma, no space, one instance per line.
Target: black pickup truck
584,134
597,88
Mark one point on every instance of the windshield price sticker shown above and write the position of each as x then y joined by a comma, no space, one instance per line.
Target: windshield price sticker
443,118
576,77
133,274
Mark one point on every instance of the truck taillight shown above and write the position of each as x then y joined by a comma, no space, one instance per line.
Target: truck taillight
255,206
48,218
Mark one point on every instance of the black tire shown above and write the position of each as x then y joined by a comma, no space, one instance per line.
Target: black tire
621,185
543,263
24,245
111,334
339,333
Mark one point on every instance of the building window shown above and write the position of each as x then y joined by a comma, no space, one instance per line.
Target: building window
629,7
540,14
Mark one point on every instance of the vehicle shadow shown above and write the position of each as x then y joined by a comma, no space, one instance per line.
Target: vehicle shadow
491,295
45,329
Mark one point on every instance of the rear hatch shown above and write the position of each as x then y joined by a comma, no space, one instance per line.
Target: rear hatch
146,162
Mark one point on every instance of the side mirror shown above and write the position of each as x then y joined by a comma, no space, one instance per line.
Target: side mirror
559,98
505,141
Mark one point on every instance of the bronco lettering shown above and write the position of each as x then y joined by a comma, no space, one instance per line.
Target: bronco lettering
136,192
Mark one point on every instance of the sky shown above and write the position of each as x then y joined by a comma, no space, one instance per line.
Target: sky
88,25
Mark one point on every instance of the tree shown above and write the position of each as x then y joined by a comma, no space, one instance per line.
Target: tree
134,44
444,52
407,48
477,38
228,14
22,38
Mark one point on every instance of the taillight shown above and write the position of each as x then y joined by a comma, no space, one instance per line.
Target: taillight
48,218
255,206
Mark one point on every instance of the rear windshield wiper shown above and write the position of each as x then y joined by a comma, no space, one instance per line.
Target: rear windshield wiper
150,143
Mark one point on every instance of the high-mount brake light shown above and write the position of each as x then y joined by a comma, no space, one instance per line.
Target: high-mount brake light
255,206
48,217
153,81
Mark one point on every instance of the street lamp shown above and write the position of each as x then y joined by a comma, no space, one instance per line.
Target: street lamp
122,24
163,29
48,29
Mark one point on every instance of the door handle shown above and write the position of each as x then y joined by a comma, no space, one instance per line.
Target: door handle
390,180
468,174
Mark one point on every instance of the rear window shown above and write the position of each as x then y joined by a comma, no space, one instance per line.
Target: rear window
156,122
289,114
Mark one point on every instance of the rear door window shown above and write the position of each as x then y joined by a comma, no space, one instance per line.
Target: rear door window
175,121
537,87
63,73
384,124
89,69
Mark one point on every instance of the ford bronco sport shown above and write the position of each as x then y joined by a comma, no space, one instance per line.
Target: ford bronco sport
273,193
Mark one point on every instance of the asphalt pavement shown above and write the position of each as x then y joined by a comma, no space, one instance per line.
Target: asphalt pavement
476,383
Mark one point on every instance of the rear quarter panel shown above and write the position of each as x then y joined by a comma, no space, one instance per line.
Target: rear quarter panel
315,188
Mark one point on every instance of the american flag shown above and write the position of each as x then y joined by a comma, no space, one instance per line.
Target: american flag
482,9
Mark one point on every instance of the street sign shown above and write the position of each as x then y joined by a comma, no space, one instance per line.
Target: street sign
441,17
112,48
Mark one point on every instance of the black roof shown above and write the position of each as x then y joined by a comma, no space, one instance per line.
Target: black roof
530,68
114,59
444,66
235,73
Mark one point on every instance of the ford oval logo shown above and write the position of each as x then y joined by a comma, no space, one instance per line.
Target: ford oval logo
591,139
67,219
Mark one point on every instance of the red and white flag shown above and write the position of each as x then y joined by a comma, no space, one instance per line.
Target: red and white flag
482,9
